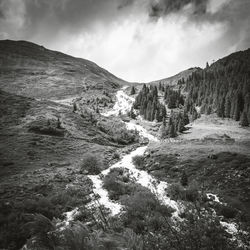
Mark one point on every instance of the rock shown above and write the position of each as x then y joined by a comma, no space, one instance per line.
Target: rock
212,156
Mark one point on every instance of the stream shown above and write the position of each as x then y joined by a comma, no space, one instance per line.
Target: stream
122,106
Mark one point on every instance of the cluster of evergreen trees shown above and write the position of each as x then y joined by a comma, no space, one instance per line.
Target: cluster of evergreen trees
223,87
148,104
177,122
173,98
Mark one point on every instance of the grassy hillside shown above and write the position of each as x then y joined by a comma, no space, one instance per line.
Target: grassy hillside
173,80
31,70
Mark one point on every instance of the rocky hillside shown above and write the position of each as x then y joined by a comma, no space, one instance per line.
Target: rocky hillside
31,70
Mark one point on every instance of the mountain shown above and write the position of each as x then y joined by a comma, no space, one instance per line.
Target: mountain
31,70
223,87
173,80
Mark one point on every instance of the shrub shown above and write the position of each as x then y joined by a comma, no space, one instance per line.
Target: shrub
144,211
118,132
117,183
178,192
91,163
116,156
138,161
227,211
184,179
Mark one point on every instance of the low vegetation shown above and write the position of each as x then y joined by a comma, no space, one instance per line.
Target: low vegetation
138,161
118,132
92,164
119,183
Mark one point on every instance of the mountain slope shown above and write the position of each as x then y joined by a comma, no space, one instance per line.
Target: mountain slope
173,80
224,87
31,70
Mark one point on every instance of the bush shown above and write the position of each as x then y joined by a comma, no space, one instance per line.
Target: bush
138,161
118,132
118,183
47,130
91,163
177,192
227,211
144,212
116,156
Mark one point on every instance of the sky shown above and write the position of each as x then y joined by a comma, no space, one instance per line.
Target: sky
137,40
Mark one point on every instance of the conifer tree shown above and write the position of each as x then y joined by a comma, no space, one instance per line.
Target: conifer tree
185,118
227,107
132,92
163,129
74,107
243,119
172,131
184,179
236,112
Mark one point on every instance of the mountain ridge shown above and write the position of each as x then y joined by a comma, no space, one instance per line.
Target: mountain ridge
25,65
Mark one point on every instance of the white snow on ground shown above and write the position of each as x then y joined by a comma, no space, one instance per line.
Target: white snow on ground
67,101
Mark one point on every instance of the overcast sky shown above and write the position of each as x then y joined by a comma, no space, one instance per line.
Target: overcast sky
137,40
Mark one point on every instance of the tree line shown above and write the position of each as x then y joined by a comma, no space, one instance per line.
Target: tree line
222,88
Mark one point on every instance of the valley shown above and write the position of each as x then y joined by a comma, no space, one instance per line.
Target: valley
89,161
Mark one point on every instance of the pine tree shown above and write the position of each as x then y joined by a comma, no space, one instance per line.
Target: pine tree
184,179
181,126
97,109
59,123
185,118
132,113
236,112
227,107
74,107
163,129
243,120
194,114
172,131
132,92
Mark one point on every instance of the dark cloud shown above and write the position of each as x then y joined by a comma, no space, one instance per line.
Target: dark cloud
52,17
125,3
132,37
165,7
1,10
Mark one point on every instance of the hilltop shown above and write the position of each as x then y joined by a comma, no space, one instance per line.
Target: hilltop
173,80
